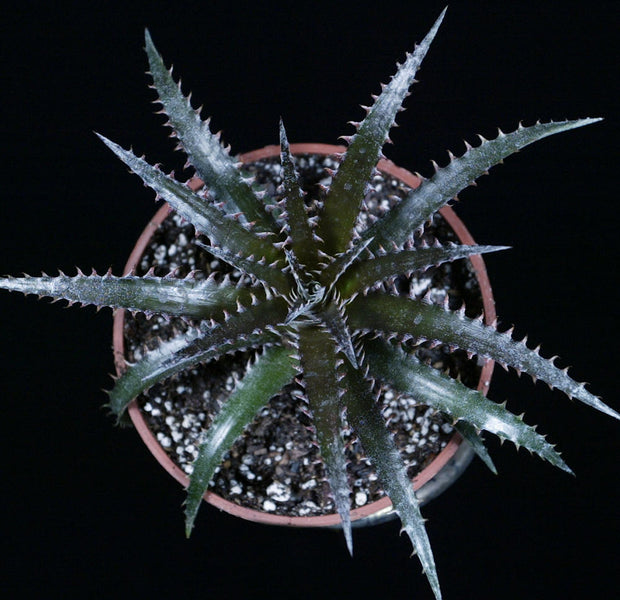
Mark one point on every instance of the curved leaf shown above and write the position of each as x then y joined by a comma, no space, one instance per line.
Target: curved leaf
243,330
349,184
411,317
211,160
365,417
365,273
270,275
427,385
264,379
221,229
400,223
149,294
474,439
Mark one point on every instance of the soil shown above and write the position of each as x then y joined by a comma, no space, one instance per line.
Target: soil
275,466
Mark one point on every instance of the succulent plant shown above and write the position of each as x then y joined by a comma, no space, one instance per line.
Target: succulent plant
311,304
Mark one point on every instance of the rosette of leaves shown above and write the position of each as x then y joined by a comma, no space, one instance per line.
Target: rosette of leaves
312,310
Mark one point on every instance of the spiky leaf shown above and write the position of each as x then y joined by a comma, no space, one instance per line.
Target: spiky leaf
243,330
211,160
335,320
399,224
365,417
149,294
223,231
265,378
363,274
302,241
449,396
275,278
474,439
319,362
403,316
349,185
332,272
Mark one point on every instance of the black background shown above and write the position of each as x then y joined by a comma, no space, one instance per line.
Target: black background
86,512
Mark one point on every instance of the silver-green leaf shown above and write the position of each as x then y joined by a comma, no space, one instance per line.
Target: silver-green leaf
270,372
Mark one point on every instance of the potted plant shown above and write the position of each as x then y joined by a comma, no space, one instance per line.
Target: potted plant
445,459
310,292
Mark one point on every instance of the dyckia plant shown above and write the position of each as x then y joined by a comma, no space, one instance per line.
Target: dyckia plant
311,306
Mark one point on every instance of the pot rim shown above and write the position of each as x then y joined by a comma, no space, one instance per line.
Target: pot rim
382,506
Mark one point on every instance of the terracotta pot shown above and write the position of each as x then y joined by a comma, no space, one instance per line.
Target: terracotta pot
435,478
